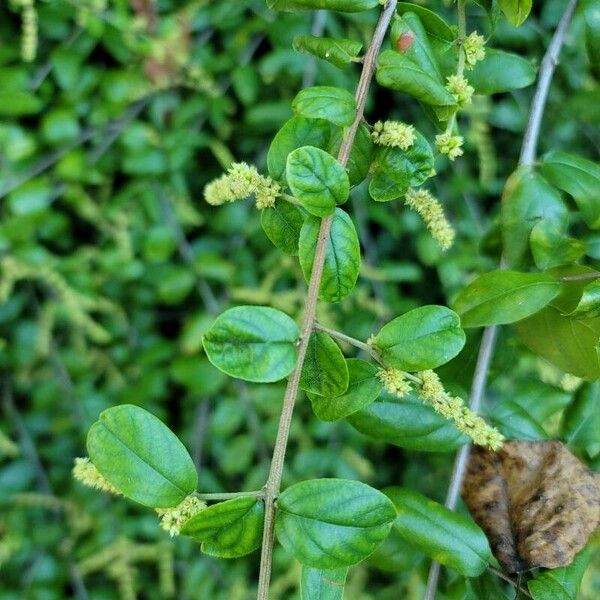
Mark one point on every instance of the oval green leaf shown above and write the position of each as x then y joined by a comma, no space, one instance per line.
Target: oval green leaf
282,224
295,133
339,52
516,11
141,457
255,343
332,523
324,371
423,338
501,72
407,423
363,388
325,102
395,170
317,180
229,529
501,297
342,255
452,540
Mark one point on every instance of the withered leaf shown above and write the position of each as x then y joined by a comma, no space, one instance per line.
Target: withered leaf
537,503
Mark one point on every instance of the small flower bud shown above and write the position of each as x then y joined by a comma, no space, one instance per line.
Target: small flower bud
394,382
450,145
474,49
393,134
173,519
459,87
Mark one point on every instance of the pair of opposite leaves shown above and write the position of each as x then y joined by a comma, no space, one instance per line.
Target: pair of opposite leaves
536,502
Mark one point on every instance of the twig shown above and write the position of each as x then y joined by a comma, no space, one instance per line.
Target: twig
549,62
510,580
273,484
486,350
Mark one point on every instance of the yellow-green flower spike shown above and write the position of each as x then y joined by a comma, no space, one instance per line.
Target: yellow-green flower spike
474,49
450,145
394,382
240,181
85,472
433,393
430,210
459,87
173,519
393,134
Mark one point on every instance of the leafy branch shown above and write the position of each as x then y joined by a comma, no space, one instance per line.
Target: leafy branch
274,480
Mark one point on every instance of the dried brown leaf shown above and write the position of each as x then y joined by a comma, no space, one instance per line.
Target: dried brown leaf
537,503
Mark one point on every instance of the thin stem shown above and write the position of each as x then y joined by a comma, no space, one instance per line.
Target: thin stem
273,484
549,62
460,68
486,350
510,580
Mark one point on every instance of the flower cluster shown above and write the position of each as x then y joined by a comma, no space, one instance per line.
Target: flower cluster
29,30
450,145
394,382
459,87
432,391
173,519
241,181
474,49
86,472
430,210
393,134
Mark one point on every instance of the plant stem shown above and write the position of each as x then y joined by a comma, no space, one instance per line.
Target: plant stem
549,62
581,277
460,68
273,484
486,349
510,580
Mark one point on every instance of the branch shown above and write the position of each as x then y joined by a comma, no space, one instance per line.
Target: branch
274,481
549,62
488,341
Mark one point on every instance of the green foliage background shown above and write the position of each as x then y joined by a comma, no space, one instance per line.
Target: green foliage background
112,267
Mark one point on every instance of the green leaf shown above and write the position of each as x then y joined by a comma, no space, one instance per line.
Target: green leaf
501,72
339,5
515,422
551,247
419,51
324,102
527,198
501,297
407,423
15,103
295,133
451,539
363,388
439,33
395,170
398,72
342,255
578,177
580,427
255,343
317,180
332,523
516,11
569,343
229,529
560,584
589,303
141,457
423,338
320,584
324,371
282,224
339,52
